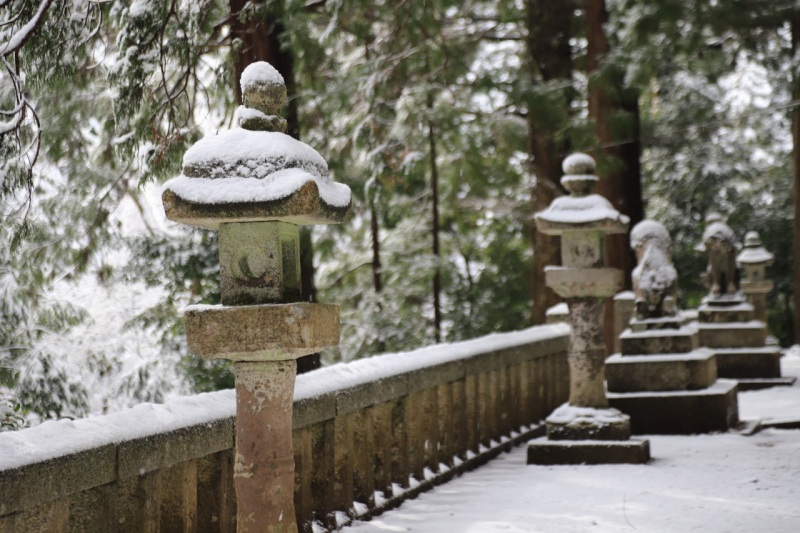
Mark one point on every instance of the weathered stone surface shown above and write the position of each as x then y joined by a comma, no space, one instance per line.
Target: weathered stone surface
757,362
259,263
264,466
303,207
261,332
680,412
135,457
263,88
587,353
617,431
654,278
666,323
582,249
733,334
51,517
655,342
719,243
178,498
581,211
715,314
216,497
375,392
570,282
753,260
693,370
93,509
543,452
433,376
757,287
138,506
623,312
36,483
587,423
309,411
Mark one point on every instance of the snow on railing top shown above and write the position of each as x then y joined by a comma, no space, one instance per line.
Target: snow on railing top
347,375
55,439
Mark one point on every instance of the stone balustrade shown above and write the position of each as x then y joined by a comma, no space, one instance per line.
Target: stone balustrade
367,435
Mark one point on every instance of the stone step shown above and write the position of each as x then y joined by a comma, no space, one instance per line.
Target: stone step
659,341
733,334
680,412
743,312
764,383
686,371
753,362
576,452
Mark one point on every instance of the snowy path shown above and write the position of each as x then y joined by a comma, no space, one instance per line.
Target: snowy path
712,483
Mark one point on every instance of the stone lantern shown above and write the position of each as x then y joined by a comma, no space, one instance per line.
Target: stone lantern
582,220
753,261
256,185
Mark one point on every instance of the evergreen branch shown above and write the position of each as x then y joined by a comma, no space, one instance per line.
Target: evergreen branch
338,280
314,6
18,40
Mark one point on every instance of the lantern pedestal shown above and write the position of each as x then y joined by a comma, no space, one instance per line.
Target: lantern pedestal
585,430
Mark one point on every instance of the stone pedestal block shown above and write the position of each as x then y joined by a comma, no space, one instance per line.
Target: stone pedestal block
742,312
689,371
763,362
570,282
659,341
680,412
733,334
586,423
261,332
623,312
543,452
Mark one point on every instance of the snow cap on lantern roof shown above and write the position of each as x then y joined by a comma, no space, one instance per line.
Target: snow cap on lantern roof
255,172
753,253
580,211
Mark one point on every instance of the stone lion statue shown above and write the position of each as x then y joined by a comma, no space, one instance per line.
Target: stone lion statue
654,278
719,242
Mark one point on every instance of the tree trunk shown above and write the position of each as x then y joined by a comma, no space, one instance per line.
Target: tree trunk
437,274
614,110
377,277
377,281
796,174
260,36
549,58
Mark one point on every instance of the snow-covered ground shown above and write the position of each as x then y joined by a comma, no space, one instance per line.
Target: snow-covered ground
711,483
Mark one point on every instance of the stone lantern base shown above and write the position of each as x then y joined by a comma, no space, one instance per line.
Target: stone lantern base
666,383
589,452
584,435
740,344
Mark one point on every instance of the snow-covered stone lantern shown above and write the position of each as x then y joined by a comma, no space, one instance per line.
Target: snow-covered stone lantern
256,185
753,261
582,220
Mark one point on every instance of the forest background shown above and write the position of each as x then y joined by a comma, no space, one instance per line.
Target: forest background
448,119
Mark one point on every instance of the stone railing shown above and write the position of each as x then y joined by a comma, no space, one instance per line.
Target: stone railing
367,435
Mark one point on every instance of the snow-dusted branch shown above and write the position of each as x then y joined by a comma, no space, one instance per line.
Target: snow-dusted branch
21,36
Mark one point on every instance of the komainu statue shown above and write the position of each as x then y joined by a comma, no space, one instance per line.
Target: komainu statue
654,278
719,242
